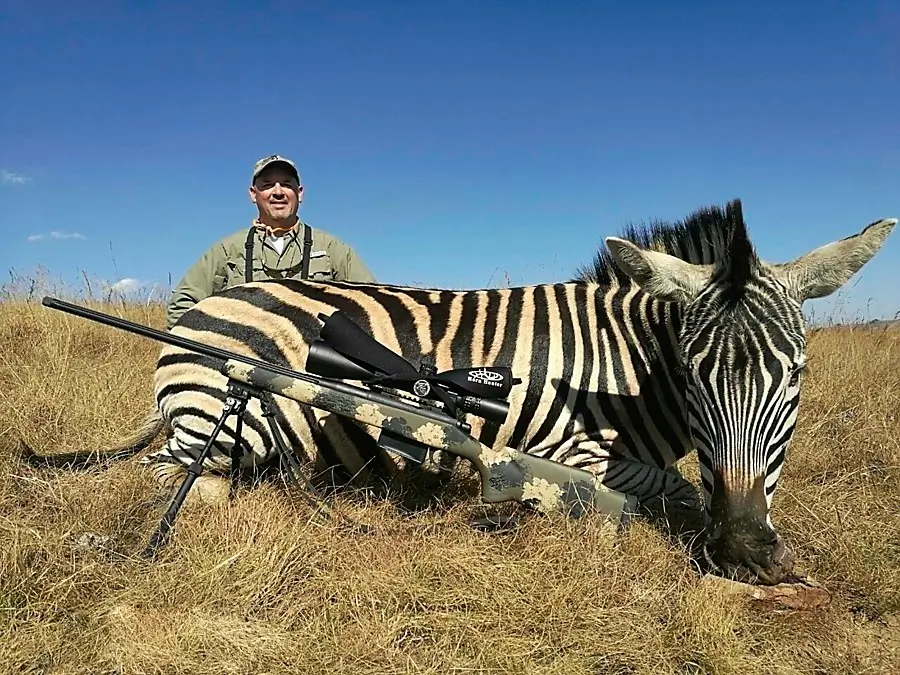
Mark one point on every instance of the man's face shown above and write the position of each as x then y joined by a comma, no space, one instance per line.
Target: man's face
276,194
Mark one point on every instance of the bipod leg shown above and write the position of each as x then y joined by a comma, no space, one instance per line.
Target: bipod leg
235,404
237,452
312,497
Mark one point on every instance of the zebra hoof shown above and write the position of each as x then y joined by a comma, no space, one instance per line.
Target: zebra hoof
210,490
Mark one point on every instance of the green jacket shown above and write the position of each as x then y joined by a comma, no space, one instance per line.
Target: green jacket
223,265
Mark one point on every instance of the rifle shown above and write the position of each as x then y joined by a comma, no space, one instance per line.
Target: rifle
429,415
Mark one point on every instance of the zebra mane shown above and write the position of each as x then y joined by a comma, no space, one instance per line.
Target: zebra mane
709,235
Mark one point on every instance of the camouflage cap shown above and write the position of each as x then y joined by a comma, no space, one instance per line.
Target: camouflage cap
269,161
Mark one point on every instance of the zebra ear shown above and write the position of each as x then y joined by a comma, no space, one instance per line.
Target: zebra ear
824,270
663,276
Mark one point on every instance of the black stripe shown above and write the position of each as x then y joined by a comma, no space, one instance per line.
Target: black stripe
702,437
506,355
567,348
440,317
668,379
193,451
258,427
583,309
626,411
540,348
614,470
620,307
491,311
194,411
192,358
654,400
255,423
461,345
438,310
262,345
771,416
403,323
776,462
292,439
635,480
785,435
203,437
181,387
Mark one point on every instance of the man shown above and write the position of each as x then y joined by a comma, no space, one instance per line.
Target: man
278,245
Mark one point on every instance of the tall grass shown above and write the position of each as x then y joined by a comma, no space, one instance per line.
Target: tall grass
258,587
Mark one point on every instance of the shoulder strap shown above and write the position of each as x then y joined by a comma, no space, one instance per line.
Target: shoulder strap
248,255
307,245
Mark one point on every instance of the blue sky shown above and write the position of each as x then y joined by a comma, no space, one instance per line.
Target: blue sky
458,144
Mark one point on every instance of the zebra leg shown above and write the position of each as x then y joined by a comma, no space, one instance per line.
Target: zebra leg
665,497
169,468
678,508
653,486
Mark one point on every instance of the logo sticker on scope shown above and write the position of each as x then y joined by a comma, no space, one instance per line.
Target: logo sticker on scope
421,388
490,378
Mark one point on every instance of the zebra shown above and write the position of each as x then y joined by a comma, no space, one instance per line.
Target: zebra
676,337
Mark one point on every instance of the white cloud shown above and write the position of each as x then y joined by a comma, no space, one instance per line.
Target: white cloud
125,285
56,234
129,287
10,178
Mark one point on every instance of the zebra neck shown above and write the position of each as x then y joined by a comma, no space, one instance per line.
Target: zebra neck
640,390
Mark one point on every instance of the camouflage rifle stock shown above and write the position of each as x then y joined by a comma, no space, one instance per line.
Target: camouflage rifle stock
506,474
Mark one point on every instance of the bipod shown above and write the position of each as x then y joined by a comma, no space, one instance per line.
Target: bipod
235,404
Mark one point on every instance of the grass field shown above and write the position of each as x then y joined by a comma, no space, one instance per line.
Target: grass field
256,587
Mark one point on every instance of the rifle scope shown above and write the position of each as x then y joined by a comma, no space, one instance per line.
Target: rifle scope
325,361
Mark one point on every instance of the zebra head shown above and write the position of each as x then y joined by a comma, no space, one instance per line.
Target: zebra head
741,345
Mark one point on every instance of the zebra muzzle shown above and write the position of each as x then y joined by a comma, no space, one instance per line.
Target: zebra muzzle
748,550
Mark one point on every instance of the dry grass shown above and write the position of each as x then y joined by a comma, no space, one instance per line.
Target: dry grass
255,587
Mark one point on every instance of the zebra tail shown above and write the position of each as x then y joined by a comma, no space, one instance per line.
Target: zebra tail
150,428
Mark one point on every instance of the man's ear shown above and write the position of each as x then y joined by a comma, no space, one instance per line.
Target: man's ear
252,192
824,270
663,276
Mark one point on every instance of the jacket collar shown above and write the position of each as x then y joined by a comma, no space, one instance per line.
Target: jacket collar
262,232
